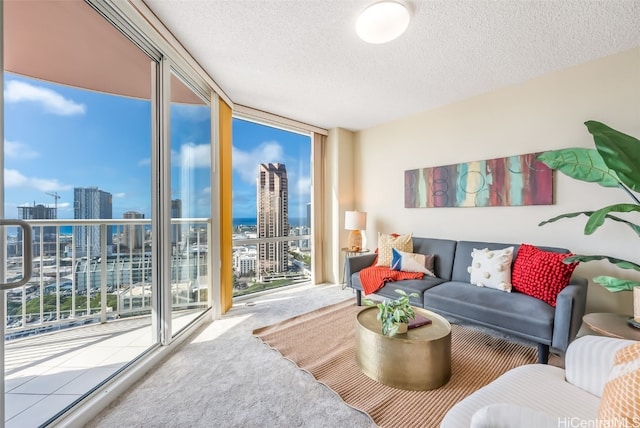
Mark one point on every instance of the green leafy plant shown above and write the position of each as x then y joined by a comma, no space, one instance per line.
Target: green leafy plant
615,162
392,312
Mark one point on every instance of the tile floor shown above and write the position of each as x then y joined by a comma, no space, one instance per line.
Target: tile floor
46,373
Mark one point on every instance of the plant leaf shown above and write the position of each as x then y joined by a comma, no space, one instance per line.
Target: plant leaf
623,264
620,152
568,215
616,284
596,219
581,164
633,226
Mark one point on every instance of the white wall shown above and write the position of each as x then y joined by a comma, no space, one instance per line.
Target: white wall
542,114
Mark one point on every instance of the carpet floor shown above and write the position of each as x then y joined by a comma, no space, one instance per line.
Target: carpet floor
226,378
322,343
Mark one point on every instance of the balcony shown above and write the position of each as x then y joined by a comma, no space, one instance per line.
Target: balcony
86,314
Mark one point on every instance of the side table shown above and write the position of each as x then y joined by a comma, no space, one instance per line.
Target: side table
612,325
348,252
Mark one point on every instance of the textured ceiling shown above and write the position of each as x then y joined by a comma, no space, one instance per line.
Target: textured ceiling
302,59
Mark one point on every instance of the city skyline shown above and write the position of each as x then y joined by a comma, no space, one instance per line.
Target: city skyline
89,139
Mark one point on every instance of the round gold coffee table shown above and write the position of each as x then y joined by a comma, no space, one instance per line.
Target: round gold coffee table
418,360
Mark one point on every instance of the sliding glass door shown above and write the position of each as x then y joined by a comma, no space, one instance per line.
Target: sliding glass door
84,132
77,143
190,142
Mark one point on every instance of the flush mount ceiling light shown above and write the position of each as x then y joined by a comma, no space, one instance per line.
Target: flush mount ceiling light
382,21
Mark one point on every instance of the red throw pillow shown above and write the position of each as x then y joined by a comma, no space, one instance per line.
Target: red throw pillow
541,274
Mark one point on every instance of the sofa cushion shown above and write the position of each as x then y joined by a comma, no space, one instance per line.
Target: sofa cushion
444,251
387,242
373,278
541,274
515,312
408,285
463,256
491,268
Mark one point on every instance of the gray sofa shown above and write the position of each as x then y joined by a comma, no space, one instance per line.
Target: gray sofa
451,294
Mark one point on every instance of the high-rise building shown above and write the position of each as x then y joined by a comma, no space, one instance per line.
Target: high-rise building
272,217
176,228
91,203
133,234
244,260
48,233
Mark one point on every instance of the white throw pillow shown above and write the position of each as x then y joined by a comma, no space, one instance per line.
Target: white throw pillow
508,415
492,268
412,262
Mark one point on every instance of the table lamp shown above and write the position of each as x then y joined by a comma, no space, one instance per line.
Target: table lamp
355,221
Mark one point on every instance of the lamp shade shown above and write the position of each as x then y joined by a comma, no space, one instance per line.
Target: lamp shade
355,220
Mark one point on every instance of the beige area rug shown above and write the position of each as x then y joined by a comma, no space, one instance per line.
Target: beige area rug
322,343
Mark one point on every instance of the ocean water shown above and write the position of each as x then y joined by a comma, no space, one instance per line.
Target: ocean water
247,221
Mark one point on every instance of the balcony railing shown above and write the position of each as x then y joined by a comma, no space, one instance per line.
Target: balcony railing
264,263
87,271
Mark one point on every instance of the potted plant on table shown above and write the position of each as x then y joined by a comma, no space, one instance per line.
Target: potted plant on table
394,314
615,162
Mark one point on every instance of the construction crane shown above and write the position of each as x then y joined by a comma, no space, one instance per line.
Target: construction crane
56,197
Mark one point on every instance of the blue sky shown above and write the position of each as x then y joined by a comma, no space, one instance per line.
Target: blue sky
254,144
58,137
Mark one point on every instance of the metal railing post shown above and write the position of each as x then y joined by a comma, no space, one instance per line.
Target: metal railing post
103,273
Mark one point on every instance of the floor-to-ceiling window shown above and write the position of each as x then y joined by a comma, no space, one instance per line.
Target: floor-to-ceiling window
82,133
190,141
271,206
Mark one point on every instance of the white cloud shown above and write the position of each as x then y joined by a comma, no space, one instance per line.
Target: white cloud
16,150
51,101
119,195
13,178
192,112
246,163
192,156
304,186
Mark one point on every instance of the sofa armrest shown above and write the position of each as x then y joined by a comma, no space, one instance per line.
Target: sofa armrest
589,359
356,264
509,415
570,307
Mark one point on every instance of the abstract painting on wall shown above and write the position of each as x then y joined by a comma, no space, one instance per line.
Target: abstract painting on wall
510,181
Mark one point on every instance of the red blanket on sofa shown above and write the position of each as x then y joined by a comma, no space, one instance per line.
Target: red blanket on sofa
373,278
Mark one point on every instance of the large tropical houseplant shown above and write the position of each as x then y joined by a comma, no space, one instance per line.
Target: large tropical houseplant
615,162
